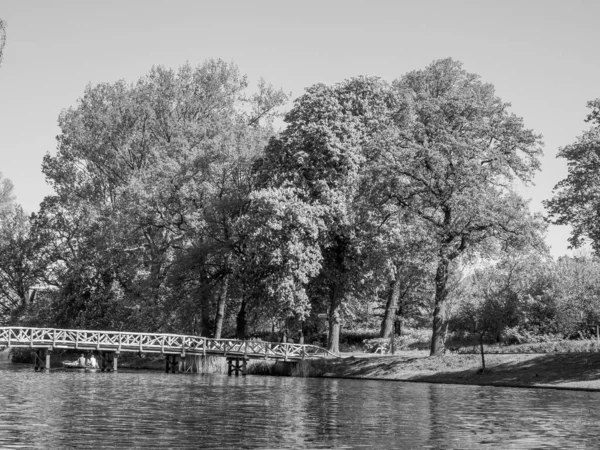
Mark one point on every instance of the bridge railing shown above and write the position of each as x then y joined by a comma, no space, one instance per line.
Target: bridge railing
154,343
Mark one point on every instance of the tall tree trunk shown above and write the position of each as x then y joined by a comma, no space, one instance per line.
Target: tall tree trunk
482,352
389,317
241,321
441,292
221,303
335,319
337,277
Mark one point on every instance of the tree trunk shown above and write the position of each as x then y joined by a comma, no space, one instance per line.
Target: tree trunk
241,322
446,331
221,303
441,292
398,324
389,317
335,320
482,353
338,280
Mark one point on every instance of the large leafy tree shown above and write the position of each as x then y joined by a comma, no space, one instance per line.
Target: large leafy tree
331,138
21,266
145,171
577,294
576,199
452,166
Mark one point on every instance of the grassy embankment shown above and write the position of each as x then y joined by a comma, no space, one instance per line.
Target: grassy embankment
569,364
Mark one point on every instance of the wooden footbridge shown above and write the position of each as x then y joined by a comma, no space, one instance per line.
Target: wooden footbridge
110,344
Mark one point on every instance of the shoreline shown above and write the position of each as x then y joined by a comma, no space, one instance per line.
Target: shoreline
560,371
458,383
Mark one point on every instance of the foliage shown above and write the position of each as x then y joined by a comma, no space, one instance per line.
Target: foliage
144,174
20,266
176,207
330,139
576,199
6,193
2,38
452,167
280,251
548,345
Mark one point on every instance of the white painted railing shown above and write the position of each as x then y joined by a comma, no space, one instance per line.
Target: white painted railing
116,341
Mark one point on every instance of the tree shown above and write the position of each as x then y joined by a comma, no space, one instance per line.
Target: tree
2,38
577,295
280,253
21,267
495,298
407,250
330,140
576,199
145,172
6,192
453,165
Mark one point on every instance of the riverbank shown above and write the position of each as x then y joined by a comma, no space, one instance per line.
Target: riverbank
578,371
562,371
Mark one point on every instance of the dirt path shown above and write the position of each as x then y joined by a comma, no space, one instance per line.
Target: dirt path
567,370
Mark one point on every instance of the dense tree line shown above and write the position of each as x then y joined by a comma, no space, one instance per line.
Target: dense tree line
178,207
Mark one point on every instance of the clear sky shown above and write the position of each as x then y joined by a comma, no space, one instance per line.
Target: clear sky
542,56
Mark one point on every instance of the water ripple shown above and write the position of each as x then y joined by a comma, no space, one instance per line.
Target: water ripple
152,410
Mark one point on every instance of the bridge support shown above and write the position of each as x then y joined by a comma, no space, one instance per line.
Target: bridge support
172,365
108,361
237,364
42,359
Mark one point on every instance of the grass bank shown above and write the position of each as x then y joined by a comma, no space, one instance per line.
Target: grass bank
551,370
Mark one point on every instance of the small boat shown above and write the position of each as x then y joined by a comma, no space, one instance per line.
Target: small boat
76,365
72,365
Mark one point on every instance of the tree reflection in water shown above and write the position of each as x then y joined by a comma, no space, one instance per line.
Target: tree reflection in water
150,409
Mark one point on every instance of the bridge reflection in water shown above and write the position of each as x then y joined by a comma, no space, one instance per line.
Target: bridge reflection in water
176,348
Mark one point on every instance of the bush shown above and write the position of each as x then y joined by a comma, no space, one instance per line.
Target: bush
519,335
564,346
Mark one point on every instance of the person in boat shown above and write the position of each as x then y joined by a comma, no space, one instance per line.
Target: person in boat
92,362
81,360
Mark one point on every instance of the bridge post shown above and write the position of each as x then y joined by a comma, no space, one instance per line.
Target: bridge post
108,361
182,364
115,359
171,365
48,353
233,365
37,355
42,359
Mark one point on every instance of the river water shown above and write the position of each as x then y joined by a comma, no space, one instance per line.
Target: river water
67,409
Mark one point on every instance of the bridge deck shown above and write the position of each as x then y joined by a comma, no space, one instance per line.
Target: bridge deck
116,341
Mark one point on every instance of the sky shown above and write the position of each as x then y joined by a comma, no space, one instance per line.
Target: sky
538,54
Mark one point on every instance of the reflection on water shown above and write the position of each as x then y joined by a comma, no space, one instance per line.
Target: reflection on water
150,409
